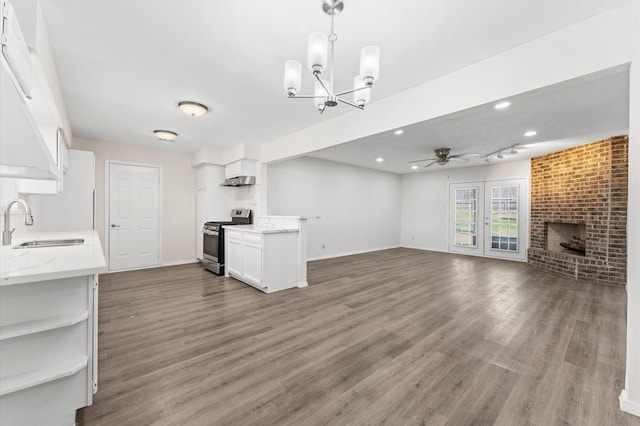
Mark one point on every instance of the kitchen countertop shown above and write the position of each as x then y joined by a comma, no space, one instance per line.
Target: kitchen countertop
20,266
259,229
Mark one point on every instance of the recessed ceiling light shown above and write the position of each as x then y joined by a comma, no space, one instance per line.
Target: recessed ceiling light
414,167
165,135
193,109
398,132
502,105
379,159
530,133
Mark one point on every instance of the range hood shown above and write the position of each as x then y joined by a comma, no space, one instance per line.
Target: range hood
239,181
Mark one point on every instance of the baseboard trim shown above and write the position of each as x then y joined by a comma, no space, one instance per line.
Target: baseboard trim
172,263
180,262
350,253
424,248
628,406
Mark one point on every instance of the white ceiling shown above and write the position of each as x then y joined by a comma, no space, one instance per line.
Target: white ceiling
124,65
564,115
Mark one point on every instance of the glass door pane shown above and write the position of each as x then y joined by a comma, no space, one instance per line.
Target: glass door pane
466,213
466,217
503,217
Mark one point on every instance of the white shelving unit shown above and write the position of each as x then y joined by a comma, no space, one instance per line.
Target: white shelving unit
48,345
39,325
44,375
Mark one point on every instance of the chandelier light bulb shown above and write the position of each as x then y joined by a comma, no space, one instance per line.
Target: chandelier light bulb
370,64
292,77
317,52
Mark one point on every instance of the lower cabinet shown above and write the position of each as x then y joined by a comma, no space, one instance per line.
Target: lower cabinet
48,350
267,261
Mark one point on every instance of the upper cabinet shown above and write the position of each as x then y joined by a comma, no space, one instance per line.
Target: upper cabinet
31,129
240,168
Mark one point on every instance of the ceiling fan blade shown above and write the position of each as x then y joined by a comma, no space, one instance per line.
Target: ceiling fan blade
430,164
420,161
458,160
470,155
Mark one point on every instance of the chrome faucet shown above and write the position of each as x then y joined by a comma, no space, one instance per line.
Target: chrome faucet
28,220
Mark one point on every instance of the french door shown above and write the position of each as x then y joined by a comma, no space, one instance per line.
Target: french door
489,218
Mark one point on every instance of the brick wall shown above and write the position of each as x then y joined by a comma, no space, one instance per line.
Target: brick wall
586,185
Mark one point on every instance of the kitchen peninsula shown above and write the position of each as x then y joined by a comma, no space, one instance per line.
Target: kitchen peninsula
48,328
270,255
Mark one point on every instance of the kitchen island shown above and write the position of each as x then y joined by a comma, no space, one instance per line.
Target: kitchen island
48,328
270,255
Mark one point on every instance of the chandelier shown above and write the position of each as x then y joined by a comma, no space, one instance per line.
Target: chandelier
320,60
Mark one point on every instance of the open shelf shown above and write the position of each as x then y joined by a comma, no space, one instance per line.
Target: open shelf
37,377
44,324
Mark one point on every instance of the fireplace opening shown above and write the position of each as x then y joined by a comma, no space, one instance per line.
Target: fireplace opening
570,238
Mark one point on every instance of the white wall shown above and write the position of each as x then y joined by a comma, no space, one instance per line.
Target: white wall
359,208
178,194
425,200
630,398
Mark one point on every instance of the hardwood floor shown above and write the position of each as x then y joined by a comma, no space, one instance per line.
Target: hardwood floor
393,337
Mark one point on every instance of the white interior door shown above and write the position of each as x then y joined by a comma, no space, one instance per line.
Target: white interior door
133,221
489,218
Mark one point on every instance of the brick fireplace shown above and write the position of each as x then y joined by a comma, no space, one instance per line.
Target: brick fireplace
580,194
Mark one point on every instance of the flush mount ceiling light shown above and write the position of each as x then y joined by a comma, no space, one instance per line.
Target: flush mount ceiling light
398,132
530,133
414,167
320,59
165,135
193,109
502,105
379,159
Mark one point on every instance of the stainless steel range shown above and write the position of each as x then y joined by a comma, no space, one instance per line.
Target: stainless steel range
213,237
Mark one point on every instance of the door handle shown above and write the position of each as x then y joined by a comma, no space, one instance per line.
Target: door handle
113,225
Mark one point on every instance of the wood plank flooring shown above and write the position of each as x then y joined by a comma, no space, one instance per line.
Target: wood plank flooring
392,337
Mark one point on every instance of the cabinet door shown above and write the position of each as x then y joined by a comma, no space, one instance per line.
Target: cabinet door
233,169
233,257
252,266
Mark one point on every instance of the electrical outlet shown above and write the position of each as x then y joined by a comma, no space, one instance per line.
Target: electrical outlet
413,238
323,245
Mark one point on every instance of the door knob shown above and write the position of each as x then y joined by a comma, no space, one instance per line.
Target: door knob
113,225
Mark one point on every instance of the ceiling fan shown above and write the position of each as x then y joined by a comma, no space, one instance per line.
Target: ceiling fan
443,157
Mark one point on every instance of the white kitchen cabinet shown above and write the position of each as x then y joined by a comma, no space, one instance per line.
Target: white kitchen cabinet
240,168
264,259
25,153
30,120
252,259
233,254
48,348
49,329
48,186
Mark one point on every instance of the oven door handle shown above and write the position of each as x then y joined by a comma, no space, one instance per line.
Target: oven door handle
206,232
